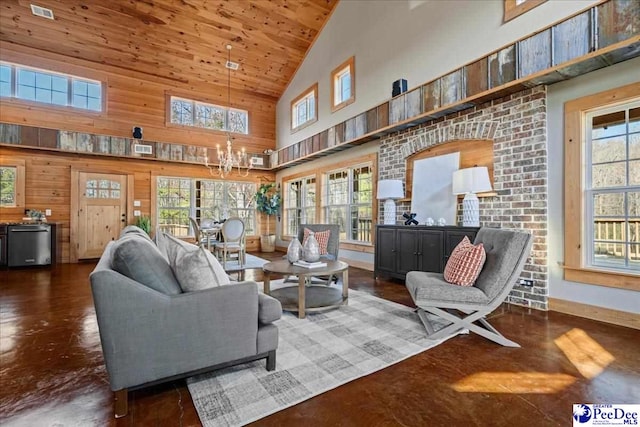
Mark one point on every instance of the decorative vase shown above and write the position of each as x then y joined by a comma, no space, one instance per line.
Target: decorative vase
311,249
294,251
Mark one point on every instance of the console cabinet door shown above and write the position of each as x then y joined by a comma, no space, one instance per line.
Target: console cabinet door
430,253
453,237
386,250
407,246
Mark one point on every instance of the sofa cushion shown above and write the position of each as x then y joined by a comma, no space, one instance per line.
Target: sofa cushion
134,229
321,236
431,290
465,263
196,270
138,258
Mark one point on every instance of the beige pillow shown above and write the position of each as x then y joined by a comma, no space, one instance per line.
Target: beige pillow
195,268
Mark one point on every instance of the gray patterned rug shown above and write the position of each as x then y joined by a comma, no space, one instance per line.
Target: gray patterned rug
251,261
314,355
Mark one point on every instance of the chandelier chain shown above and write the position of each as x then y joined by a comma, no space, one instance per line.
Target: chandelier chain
227,159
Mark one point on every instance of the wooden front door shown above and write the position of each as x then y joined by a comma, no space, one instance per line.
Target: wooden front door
102,211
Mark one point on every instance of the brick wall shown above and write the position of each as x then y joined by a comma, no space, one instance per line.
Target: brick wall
518,127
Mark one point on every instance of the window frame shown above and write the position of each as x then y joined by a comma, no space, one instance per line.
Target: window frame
169,98
70,94
313,89
195,208
335,74
301,208
351,204
20,180
575,266
512,10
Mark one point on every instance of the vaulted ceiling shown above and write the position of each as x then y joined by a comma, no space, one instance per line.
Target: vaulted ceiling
183,40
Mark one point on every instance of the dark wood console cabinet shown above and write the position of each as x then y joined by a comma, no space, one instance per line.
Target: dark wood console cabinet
404,248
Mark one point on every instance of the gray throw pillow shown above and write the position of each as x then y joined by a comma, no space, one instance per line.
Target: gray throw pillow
197,270
169,246
140,260
133,229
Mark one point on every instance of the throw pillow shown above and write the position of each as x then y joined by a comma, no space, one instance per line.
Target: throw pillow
321,236
137,258
465,263
198,269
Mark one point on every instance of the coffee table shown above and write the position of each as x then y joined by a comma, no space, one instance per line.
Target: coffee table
307,297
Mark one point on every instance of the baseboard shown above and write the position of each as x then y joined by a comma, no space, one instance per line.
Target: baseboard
608,315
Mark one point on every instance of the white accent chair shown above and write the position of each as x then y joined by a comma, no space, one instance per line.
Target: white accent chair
233,236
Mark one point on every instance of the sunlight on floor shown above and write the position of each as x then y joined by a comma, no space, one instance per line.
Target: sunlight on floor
589,358
514,382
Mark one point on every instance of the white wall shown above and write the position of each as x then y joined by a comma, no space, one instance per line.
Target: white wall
597,81
415,40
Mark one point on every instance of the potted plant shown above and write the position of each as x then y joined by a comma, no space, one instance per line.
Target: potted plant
144,222
268,202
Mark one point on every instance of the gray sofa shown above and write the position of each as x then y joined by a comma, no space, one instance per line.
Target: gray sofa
153,332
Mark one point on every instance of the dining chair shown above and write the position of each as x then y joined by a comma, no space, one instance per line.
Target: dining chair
233,234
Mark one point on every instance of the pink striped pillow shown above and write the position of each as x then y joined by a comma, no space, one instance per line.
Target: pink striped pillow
465,263
321,236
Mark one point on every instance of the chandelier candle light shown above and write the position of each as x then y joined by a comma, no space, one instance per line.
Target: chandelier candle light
227,159
470,181
388,190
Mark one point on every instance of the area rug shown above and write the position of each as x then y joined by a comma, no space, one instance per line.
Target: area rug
251,261
314,355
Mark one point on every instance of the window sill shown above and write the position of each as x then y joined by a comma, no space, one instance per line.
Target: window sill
303,125
343,104
609,279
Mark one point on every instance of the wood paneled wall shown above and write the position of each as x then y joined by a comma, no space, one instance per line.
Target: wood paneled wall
136,99
48,184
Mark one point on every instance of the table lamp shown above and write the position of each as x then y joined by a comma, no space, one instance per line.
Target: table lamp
470,181
388,190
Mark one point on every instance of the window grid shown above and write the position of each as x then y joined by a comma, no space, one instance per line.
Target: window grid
343,85
349,195
612,187
304,108
299,204
49,88
188,112
181,198
8,177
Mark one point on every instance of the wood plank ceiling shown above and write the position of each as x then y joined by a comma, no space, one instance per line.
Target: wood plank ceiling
182,40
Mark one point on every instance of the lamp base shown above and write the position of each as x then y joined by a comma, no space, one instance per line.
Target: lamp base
390,212
470,211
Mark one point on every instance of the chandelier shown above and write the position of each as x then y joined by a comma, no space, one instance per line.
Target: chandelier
227,159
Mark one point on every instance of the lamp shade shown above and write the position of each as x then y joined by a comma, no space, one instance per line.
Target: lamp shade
471,180
390,189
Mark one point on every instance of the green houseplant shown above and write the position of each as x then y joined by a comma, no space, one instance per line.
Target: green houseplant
144,222
268,202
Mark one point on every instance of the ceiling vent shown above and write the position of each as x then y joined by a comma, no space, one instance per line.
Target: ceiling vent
232,65
42,11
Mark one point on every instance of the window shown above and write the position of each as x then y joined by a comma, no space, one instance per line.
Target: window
304,108
102,189
612,187
299,204
602,193
8,176
349,196
44,87
181,198
343,85
515,8
187,112
12,179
